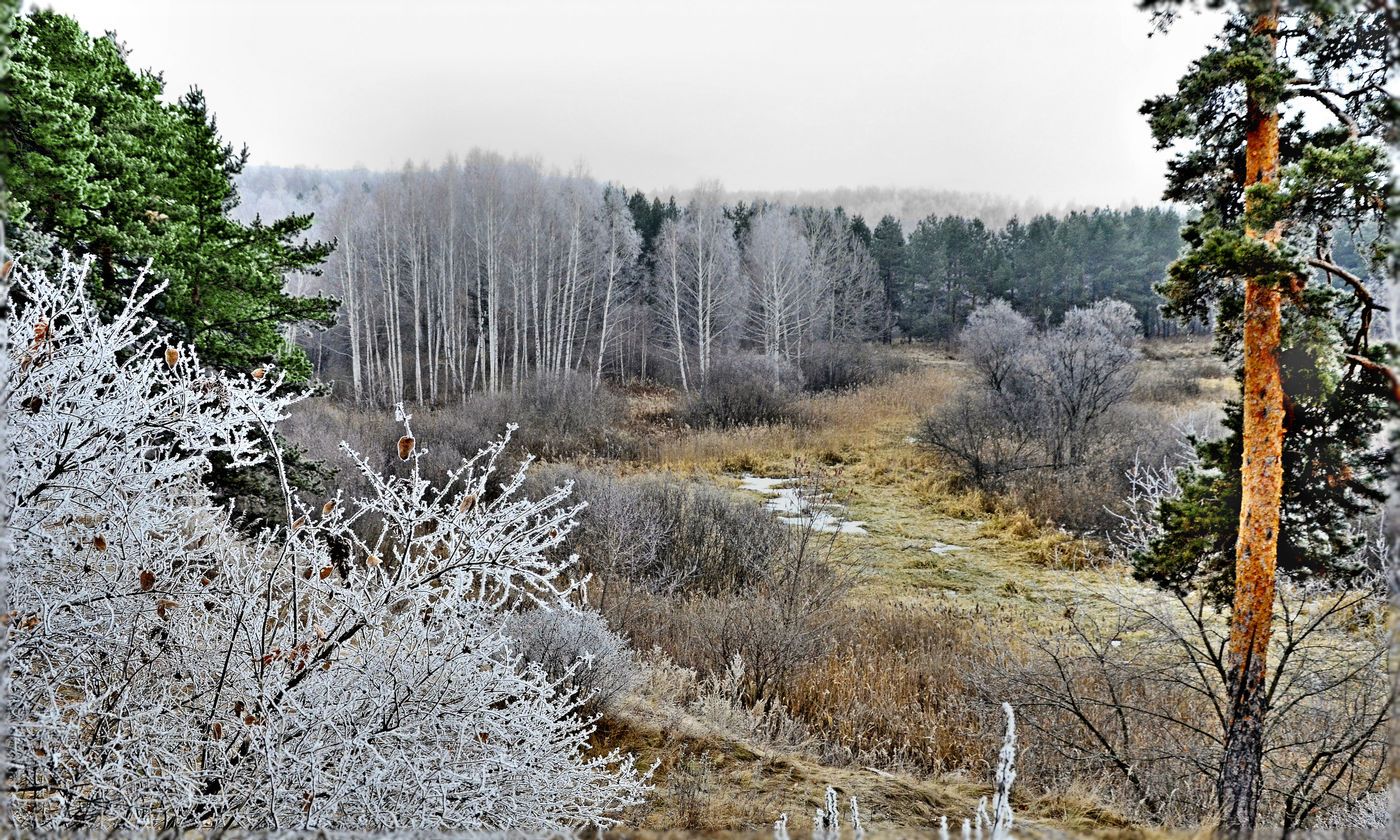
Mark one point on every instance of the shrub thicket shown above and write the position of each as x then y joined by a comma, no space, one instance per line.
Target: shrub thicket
744,390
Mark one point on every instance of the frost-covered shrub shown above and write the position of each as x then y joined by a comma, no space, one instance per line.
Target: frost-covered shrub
1045,420
744,390
668,535
342,670
1372,815
575,647
993,341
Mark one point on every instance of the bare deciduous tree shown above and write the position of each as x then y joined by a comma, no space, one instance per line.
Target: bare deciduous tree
1138,689
993,341
1080,371
1044,397
778,266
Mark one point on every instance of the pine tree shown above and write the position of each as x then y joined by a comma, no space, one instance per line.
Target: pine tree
228,276
887,247
951,263
8,15
1272,190
98,164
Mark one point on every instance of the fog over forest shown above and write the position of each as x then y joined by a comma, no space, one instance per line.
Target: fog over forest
274,191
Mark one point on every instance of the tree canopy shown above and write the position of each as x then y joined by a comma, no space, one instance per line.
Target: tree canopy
1044,267
99,164
1328,207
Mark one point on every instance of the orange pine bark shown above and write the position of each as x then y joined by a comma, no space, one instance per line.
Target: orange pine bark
1261,484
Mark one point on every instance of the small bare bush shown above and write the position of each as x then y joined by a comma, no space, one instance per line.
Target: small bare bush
744,390
668,535
977,434
773,624
558,417
842,366
578,648
892,690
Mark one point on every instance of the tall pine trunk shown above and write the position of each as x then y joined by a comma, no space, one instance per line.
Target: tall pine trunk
1261,481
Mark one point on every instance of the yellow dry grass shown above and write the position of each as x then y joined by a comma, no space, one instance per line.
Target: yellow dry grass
840,427
713,786
995,564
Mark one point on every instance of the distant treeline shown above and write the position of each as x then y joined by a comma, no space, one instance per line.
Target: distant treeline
1043,267
485,272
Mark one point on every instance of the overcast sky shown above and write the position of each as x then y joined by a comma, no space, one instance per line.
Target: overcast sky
1026,98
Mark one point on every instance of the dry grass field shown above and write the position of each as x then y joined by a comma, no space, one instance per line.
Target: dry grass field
945,598
893,684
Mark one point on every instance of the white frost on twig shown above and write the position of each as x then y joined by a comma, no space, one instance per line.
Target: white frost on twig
341,670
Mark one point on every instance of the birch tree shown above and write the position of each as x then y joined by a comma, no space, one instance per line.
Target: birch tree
709,260
673,297
621,245
778,266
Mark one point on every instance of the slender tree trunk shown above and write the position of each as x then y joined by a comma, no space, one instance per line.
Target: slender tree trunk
352,314
676,314
1261,482
612,268
415,265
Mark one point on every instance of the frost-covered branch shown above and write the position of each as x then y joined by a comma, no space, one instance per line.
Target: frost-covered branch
346,670
993,824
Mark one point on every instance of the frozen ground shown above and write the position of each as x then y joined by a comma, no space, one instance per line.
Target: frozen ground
795,507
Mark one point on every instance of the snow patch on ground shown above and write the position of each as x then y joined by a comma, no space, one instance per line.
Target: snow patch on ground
758,484
825,523
787,501
946,548
793,507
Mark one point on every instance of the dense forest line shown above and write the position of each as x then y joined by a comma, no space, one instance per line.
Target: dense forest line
483,272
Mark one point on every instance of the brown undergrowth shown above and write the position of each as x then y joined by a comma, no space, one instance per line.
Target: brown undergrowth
897,707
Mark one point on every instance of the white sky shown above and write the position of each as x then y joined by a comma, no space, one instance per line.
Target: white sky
1026,98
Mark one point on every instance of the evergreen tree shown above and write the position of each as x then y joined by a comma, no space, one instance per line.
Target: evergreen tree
8,16
228,293
1044,267
1272,190
648,217
950,265
887,247
99,165
741,215
860,231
